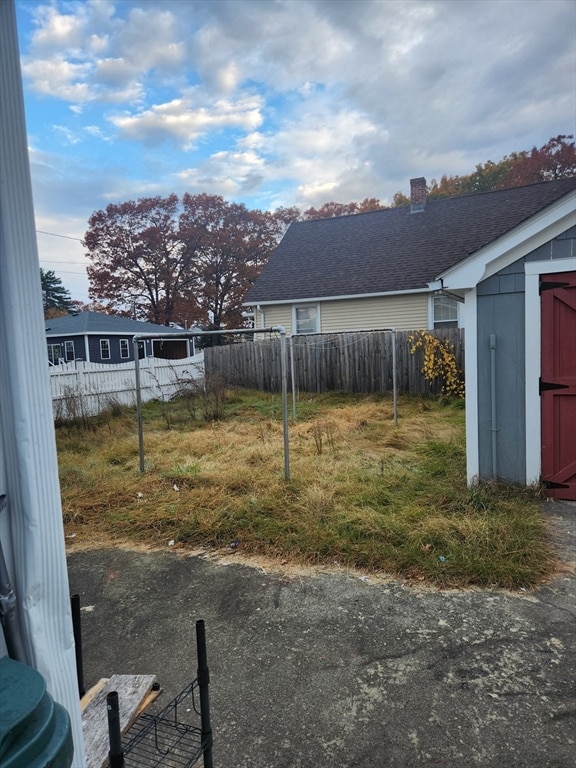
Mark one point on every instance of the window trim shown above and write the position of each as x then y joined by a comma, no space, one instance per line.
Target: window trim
105,345
295,308
52,359
69,346
439,324
126,349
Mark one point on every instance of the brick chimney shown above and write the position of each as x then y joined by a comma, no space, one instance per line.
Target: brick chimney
417,194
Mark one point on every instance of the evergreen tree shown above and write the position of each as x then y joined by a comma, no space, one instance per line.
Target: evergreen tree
56,297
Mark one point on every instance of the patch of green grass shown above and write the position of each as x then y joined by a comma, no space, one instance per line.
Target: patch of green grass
364,492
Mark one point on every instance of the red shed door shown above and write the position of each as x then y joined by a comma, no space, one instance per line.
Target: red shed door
558,384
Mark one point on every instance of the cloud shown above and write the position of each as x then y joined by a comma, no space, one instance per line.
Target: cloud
227,173
185,120
97,132
281,103
70,136
56,76
88,53
293,101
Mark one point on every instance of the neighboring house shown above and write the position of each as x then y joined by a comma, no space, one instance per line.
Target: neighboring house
99,338
501,264
373,270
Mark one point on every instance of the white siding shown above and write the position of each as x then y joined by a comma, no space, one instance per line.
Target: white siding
405,313
276,314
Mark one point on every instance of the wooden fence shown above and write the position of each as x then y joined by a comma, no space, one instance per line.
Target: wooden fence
347,362
84,389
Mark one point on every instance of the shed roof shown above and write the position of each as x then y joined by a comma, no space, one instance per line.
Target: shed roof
100,323
394,250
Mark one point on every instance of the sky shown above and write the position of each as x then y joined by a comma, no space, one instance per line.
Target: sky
278,102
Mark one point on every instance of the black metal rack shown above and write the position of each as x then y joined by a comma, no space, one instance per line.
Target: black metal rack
172,738
168,739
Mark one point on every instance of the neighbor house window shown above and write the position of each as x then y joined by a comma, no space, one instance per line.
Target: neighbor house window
124,348
445,311
306,319
104,349
54,353
69,351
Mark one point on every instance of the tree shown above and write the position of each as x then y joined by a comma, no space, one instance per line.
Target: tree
56,297
554,160
332,209
178,262
139,265
226,245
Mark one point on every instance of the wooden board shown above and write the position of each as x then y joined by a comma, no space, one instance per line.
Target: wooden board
134,695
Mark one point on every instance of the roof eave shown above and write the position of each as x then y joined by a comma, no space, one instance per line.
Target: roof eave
317,299
515,244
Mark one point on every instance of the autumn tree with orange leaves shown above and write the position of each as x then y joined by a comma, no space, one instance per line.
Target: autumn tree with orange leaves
554,160
178,262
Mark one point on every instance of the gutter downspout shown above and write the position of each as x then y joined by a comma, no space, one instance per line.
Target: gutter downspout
493,422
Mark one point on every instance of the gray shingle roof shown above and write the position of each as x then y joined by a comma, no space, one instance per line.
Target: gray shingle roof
100,323
394,249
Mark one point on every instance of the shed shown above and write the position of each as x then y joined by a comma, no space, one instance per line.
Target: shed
519,295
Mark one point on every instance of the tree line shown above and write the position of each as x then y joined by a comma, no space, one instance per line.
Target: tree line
191,261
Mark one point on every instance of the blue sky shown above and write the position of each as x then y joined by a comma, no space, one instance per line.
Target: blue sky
278,102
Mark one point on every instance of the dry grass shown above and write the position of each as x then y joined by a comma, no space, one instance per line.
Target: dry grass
363,493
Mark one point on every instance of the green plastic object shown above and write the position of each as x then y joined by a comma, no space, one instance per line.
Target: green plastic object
35,731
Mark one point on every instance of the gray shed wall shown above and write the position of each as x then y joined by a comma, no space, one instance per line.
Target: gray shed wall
500,311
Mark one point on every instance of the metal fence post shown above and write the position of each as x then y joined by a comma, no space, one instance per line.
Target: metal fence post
203,683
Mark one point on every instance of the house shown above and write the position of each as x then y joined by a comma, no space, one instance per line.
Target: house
500,264
374,270
100,338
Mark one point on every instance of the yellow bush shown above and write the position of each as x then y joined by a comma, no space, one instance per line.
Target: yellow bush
439,361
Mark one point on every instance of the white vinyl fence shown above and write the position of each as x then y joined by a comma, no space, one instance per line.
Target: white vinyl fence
82,389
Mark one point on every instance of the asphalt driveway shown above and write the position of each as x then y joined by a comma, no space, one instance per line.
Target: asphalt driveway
315,670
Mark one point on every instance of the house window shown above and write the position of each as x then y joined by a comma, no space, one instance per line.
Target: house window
306,319
124,348
69,351
54,353
104,349
445,311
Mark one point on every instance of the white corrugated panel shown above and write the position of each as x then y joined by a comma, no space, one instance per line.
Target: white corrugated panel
32,531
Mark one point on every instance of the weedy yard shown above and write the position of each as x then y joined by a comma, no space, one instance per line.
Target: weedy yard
364,493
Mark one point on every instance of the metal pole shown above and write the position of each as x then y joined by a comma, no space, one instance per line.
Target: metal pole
136,346
276,328
293,376
77,630
115,755
394,375
203,683
285,402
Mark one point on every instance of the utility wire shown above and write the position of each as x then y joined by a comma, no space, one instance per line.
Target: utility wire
53,234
